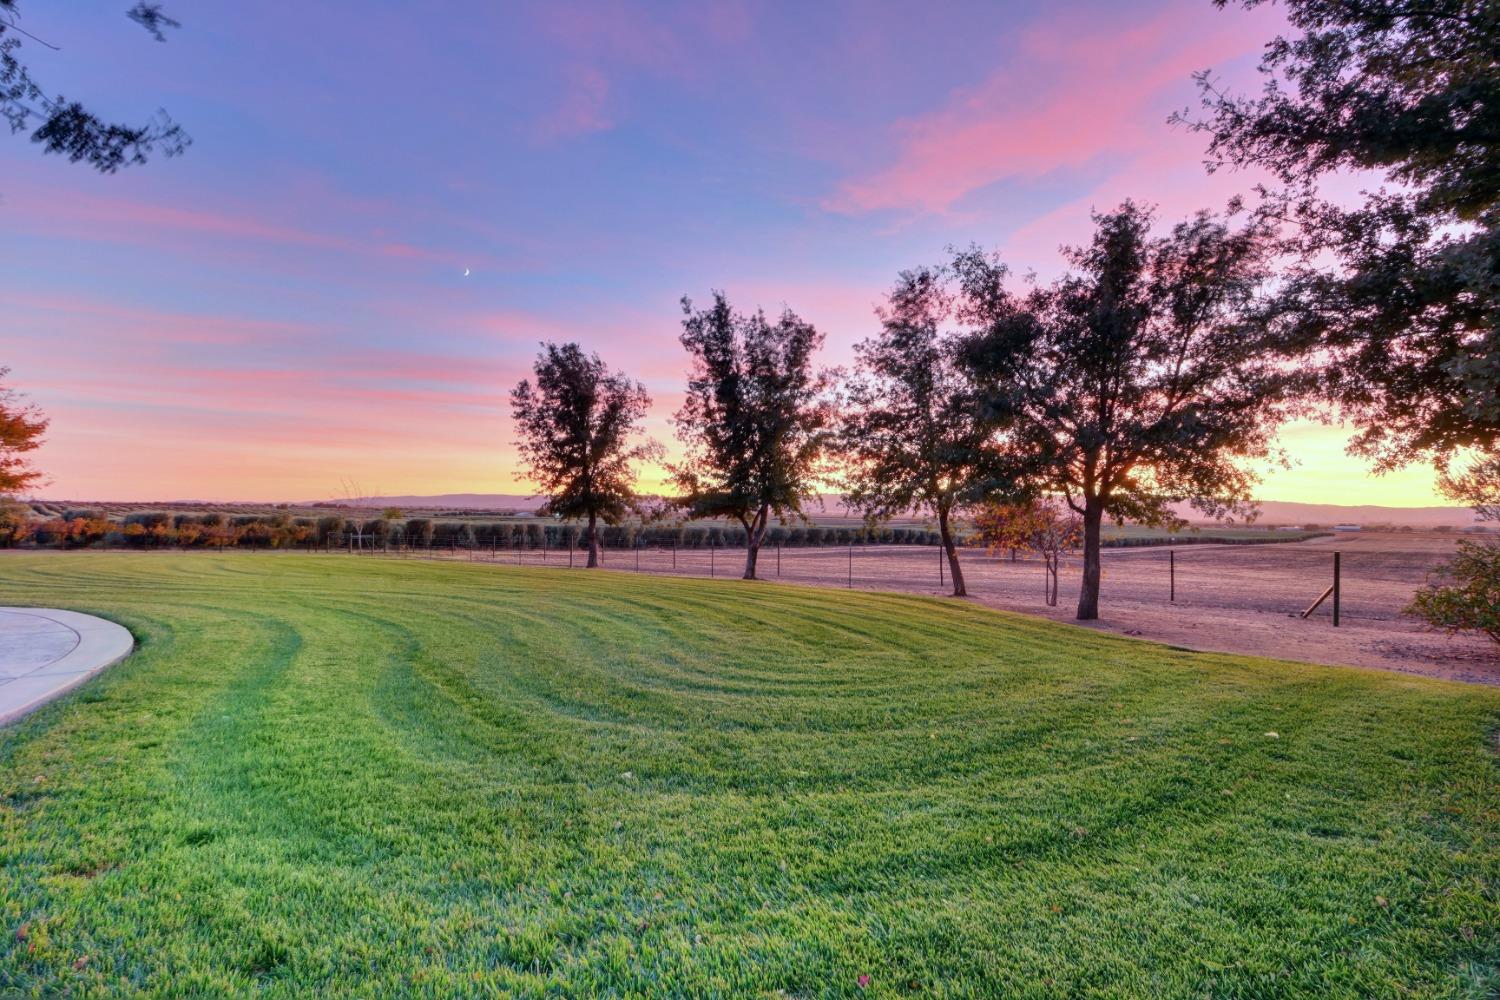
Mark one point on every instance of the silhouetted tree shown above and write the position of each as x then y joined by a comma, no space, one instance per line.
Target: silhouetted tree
67,127
912,434
21,429
1140,377
1399,295
577,426
755,421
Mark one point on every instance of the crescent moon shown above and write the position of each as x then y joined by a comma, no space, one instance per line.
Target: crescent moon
466,272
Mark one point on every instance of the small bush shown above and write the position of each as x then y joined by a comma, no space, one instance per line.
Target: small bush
1469,598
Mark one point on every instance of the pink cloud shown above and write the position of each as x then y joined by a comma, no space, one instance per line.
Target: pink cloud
1070,96
583,107
135,222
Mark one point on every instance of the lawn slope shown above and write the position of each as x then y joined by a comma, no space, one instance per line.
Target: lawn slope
365,777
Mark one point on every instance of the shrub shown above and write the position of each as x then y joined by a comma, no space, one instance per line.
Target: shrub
1469,598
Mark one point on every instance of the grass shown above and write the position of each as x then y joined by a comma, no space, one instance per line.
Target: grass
343,777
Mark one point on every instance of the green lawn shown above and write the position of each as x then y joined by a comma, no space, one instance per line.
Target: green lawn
341,777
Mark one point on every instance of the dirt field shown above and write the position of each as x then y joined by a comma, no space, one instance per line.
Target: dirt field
1230,598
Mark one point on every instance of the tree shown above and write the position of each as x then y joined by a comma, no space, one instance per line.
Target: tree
1045,527
21,429
577,425
1398,295
912,434
1467,598
1478,486
1141,377
755,421
67,127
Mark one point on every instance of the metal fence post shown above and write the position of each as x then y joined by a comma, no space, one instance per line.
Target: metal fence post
1336,575
1172,569
940,566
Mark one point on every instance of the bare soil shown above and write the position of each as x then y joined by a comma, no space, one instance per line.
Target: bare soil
1230,598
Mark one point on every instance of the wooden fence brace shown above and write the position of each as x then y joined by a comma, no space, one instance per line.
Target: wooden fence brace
1318,603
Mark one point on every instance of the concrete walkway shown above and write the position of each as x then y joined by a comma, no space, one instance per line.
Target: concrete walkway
46,653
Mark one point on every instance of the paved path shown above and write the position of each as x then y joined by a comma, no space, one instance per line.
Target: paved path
45,653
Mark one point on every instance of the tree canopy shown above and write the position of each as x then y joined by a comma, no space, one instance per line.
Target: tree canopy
1140,378
755,420
579,426
67,127
21,429
913,437
1398,294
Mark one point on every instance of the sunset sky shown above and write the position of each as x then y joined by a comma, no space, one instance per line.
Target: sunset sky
284,308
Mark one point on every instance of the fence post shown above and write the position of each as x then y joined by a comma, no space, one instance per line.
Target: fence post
940,566
637,557
851,565
1336,574
778,560
674,555
710,559
1172,569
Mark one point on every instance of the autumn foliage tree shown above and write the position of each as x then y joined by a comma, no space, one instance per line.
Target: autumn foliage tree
1140,378
755,421
578,424
913,436
1046,527
21,428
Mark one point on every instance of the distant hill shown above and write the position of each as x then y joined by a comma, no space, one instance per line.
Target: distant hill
1271,511
458,501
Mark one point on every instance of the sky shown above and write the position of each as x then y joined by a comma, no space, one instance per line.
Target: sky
283,310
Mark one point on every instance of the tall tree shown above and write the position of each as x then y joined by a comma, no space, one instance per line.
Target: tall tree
579,426
1399,294
1141,377
755,421
21,429
912,435
67,127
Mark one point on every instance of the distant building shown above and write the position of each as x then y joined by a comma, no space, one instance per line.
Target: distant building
1346,527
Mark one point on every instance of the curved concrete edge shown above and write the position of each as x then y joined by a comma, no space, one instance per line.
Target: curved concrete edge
101,644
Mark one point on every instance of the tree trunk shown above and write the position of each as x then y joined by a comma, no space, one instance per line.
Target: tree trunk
952,551
1088,594
755,533
593,542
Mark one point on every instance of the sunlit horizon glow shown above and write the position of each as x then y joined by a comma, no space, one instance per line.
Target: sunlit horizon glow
285,307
